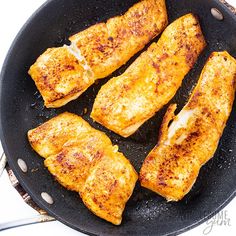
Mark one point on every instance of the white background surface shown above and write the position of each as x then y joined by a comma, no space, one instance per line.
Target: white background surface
13,14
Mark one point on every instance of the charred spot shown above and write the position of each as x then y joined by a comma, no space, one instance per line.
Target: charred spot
138,14
103,108
192,136
60,157
113,186
225,58
101,48
156,66
161,181
69,67
68,166
205,110
190,58
95,200
198,35
110,39
126,87
123,32
64,171
78,155
137,31
164,56
149,159
195,98
195,134
98,154
188,47
156,31
216,91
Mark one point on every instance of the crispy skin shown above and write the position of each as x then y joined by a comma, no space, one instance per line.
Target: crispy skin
62,74
83,159
172,167
125,102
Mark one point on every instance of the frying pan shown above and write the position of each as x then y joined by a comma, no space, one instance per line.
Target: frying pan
21,109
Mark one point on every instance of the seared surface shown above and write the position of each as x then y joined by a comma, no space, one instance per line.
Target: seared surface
83,159
62,74
107,46
125,102
172,167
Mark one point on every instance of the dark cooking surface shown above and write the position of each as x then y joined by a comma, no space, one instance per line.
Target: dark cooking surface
22,109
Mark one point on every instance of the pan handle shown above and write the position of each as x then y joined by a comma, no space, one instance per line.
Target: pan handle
3,162
230,7
26,221
41,218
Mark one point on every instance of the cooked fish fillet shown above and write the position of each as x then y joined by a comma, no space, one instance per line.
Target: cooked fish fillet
125,102
107,46
50,137
109,185
62,74
83,159
172,167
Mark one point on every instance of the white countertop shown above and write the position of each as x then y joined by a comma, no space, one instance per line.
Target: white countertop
13,14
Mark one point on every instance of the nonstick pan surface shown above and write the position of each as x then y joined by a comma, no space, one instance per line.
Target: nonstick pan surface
21,109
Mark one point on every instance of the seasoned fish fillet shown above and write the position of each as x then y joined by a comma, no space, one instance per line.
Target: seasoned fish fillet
62,74
109,185
83,159
125,102
49,138
107,46
172,167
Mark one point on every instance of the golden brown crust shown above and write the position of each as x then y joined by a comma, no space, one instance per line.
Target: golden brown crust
49,138
107,46
172,167
63,74
57,74
83,159
125,102
115,178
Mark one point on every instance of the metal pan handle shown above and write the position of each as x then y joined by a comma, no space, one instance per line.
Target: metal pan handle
3,162
26,221
42,217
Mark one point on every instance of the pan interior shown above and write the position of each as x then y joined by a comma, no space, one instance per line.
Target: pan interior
22,109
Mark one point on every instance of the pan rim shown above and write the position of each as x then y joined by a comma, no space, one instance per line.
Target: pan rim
14,167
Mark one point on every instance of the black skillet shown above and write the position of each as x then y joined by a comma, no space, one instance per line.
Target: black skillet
22,109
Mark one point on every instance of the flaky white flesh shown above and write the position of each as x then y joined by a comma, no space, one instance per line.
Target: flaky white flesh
172,167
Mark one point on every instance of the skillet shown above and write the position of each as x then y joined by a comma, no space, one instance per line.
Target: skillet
21,109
